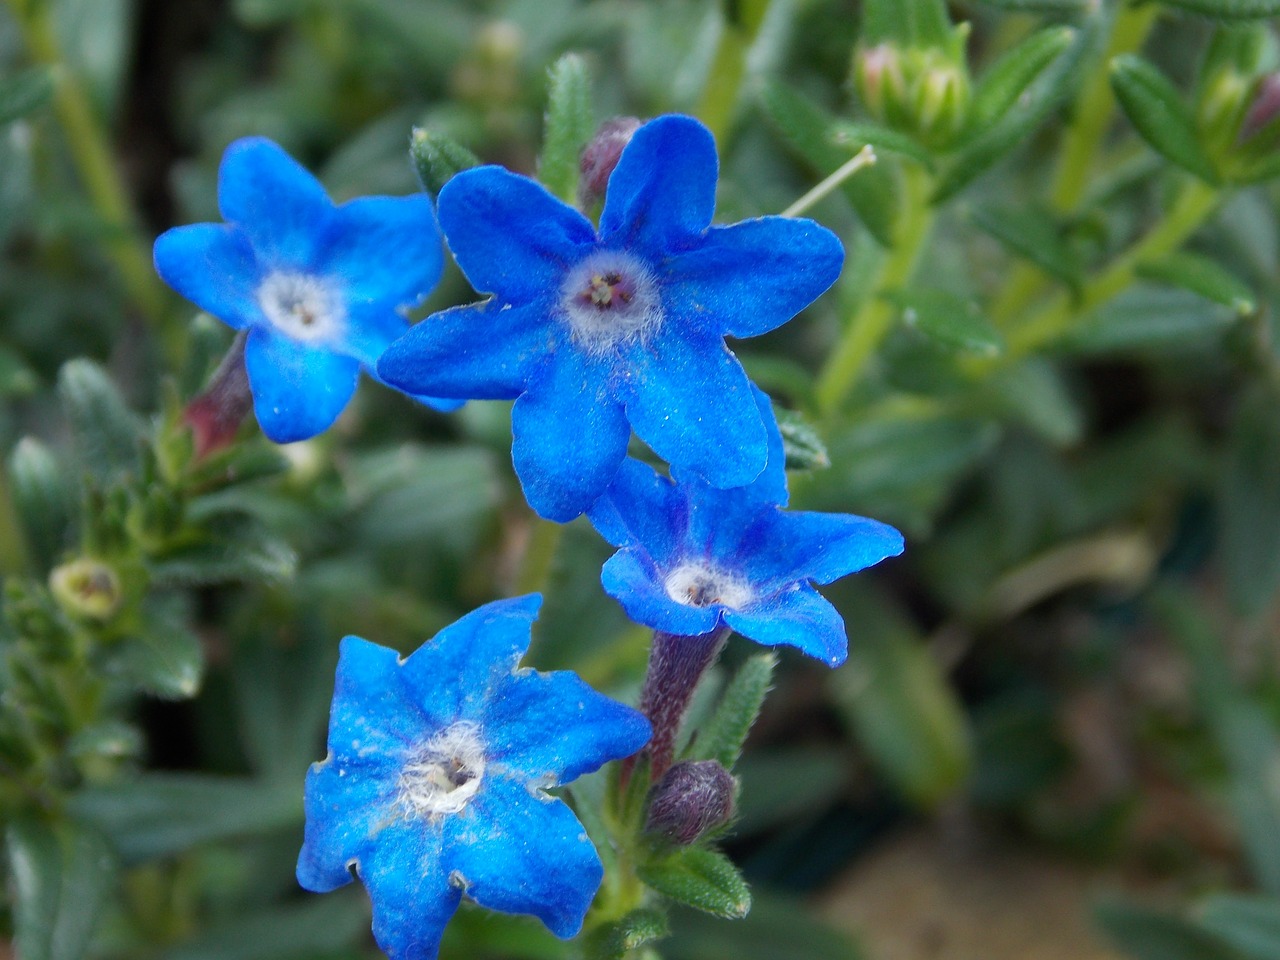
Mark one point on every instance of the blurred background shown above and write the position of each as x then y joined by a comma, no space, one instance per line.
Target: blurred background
1051,362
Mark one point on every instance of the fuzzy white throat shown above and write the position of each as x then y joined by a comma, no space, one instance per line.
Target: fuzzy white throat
302,307
445,773
608,298
702,585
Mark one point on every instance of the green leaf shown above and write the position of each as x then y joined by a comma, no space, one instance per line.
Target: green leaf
1144,318
25,92
777,927
62,874
1040,6
948,320
699,878
165,658
312,928
724,734
811,132
1251,924
570,123
1156,110
615,940
1034,393
1249,500
801,441
1006,80
898,702
908,23
783,786
438,158
242,550
1228,9
1033,234
107,434
1199,274
1147,934
159,814
854,136
41,502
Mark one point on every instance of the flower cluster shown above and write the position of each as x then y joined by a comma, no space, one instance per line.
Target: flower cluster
436,782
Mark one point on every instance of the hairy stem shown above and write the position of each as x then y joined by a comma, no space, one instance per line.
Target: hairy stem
676,664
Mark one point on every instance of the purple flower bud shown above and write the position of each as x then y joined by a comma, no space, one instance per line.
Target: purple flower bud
215,415
1264,108
601,156
690,799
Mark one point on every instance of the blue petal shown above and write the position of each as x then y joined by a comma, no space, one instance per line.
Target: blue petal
823,547
754,276
371,329
692,403
386,250
640,589
298,390
570,436
457,671
641,508
348,808
212,265
373,715
485,351
509,235
768,489
521,853
410,887
279,205
551,728
662,193
799,618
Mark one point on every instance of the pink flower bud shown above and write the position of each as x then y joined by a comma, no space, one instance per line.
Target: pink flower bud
601,156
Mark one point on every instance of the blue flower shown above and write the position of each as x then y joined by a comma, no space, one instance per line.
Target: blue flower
694,558
317,286
436,778
594,334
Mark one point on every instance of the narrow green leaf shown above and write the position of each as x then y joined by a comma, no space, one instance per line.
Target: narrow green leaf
438,158
722,737
854,136
781,786
699,878
1144,318
898,702
570,122
908,23
159,815
106,432
165,658
1147,934
809,130
25,92
1228,9
1249,500
801,441
241,550
1034,392
1040,6
41,501
1007,79
1199,274
615,940
1251,924
1156,110
950,321
62,874
1034,235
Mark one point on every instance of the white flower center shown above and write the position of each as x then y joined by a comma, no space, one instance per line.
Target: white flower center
610,297
301,306
445,774
701,585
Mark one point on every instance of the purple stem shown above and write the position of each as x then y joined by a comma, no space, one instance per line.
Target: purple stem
676,664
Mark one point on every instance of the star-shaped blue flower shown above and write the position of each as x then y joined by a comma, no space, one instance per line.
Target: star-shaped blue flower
317,285
694,558
436,778
595,333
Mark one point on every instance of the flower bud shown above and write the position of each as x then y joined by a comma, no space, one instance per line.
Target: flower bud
600,157
922,91
87,589
878,76
215,415
1264,106
691,798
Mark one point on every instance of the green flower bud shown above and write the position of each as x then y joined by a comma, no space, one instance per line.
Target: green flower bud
924,91
87,589
879,78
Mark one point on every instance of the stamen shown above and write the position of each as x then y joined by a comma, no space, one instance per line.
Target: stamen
301,306
610,297
700,585
445,774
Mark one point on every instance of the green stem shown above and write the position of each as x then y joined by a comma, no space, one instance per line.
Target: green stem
1193,205
874,318
94,163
